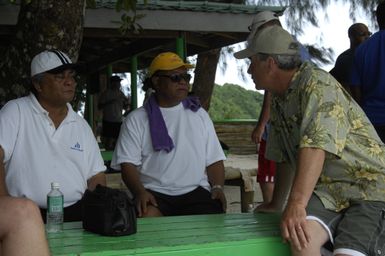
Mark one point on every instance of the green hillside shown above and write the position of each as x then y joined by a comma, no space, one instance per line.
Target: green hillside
232,101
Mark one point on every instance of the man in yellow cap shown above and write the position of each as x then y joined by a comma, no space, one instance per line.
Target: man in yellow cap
168,151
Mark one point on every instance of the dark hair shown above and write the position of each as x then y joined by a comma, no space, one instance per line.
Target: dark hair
380,14
147,83
353,29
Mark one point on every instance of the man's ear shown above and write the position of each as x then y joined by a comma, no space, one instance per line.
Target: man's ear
36,85
155,82
271,63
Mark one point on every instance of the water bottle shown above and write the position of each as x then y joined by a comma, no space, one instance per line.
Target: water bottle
250,208
55,202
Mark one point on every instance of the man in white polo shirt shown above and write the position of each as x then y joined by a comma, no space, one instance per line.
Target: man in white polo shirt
42,140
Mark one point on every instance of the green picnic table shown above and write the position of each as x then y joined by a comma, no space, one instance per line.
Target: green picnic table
208,235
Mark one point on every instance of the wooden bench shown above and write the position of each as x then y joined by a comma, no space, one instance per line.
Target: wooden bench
241,234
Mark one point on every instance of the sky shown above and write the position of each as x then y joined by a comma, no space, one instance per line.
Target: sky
332,33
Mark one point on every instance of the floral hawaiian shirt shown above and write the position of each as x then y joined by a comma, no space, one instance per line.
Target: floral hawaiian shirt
317,112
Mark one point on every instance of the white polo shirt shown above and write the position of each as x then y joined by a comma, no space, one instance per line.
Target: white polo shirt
37,154
182,169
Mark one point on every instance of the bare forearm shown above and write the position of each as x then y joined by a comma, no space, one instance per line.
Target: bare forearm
264,116
283,182
3,186
216,173
99,178
310,163
131,178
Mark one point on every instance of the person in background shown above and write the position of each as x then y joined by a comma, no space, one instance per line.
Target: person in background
168,151
358,33
21,228
42,139
367,82
266,168
113,102
330,161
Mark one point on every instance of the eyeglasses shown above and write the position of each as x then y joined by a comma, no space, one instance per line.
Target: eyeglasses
60,77
176,78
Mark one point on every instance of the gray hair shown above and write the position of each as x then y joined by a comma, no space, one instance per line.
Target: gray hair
285,62
36,79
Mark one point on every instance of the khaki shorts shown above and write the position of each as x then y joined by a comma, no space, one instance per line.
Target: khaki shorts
358,230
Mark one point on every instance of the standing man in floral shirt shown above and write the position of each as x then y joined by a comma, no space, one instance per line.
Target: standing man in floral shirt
338,189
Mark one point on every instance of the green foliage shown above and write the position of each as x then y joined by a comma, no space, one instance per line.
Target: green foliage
232,101
128,20
129,24
300,12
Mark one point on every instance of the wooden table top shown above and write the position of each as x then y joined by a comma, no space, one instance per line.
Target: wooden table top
218,234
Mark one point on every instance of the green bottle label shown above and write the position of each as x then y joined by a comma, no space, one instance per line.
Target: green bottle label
55,204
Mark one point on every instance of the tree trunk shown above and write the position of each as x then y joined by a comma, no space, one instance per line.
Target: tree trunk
204,79
42,24
206,67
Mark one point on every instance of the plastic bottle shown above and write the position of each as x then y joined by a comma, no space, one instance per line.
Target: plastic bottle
250,208
55,212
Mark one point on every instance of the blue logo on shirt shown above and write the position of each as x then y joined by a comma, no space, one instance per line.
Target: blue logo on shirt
77,147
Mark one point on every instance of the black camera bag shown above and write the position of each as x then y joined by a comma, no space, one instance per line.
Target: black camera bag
107,211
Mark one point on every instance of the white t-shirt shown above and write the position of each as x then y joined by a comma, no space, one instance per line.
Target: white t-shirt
182,169
37,154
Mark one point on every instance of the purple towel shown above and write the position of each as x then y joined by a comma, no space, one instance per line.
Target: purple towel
159,134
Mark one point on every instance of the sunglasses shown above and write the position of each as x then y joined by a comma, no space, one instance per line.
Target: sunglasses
176,78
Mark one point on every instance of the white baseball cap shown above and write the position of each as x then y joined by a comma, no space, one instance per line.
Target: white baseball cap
52,61
260,19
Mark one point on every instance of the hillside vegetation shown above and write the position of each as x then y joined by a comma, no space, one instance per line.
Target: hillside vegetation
232,101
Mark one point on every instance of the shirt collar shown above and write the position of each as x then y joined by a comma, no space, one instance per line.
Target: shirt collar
71,115
298,79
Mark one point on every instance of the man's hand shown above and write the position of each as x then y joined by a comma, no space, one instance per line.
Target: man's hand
142,200
293,226
218,193
256,134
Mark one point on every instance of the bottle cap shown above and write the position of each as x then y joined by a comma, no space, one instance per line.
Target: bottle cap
55,185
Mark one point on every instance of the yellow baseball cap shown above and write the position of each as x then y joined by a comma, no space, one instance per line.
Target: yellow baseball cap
167,61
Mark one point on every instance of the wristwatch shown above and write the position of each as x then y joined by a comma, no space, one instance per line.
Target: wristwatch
216,187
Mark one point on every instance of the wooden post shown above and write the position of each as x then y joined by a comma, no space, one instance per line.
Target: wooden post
134,82
181,46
